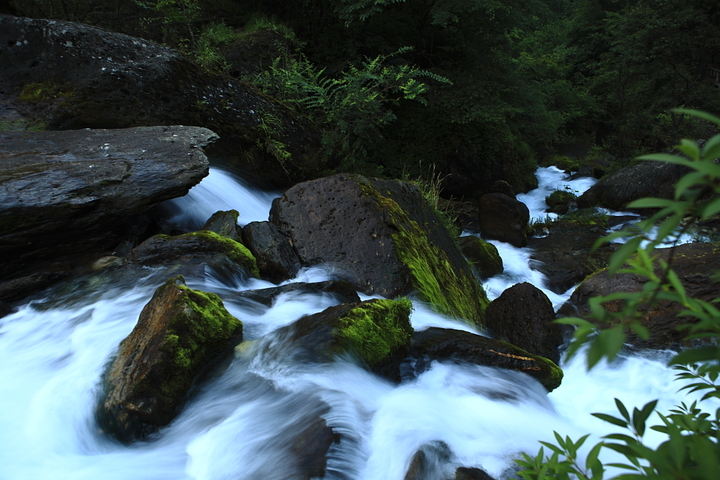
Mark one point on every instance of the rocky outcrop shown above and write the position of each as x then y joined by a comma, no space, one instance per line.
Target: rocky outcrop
67,75
67,192
384,238
695,264
224,224
646,179
523,315
191,252
275,256
504,218
482,255
179,333
460,346
375,332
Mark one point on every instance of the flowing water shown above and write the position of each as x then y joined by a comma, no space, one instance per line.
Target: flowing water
244,423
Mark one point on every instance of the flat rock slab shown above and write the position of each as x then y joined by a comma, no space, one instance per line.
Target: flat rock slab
67,191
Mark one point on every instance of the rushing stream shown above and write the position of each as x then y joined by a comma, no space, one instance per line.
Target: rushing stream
242,425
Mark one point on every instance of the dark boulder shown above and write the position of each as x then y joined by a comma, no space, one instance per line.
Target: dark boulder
646,179
460,346
523,315
180,332
343,291
431,461
565,255
68,75
375,332
224,224
504,218
190,253
482,255
385,239
695,264
471,473
276,258
64,193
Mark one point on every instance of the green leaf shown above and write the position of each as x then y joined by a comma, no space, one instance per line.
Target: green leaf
666,157
650,202
621,255
711,150
610,419
621,408
687,181
696,355
689,148
699,114
711,208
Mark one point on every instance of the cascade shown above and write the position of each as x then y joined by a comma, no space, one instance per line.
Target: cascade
53,351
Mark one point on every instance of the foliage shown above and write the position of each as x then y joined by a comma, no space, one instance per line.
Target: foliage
691,449
351,108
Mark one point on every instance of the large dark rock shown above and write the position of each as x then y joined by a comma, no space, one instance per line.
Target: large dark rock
224,224
695,265
504,218
646,179
383,236
67,75
62,193
275,256
566,256
484,256
460,346
523,315
180,332
375,332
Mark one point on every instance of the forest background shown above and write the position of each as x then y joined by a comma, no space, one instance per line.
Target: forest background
415,88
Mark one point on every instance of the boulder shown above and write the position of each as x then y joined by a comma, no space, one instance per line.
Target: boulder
68,75
504,218
695,264
432,460
343,291
523,315
471,473
565,254
482,255
62,193
224,224
276,258
385,239
461,346
192,252
646,179
375,332
180,332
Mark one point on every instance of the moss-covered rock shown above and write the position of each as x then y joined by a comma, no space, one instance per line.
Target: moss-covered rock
179,333
375,332
192,248
384,237
484,256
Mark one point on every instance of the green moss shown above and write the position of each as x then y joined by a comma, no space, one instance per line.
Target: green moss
449,293
236,251
376,329
588,217
44,92
554,375
559,197
200,330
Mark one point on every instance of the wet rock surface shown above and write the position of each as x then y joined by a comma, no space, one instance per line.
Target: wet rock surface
504,218
695,265
275,256
67,192
179,334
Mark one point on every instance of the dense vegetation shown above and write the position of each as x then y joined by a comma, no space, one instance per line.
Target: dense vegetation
463,85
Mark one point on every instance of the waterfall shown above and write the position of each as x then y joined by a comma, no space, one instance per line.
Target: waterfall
53,351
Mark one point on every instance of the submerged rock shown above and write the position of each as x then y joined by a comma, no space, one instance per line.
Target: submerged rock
343,291
460,346
65,193
179,333
384,238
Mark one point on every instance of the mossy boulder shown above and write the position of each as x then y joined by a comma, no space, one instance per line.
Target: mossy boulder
383,237
559,201
465,347
180,332
224,223
195,249
484,256
375,332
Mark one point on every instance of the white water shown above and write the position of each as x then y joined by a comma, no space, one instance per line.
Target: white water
53,352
